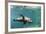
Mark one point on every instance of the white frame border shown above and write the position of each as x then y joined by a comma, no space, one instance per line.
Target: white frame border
24,29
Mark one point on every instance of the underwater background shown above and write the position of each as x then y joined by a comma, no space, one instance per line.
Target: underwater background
33,12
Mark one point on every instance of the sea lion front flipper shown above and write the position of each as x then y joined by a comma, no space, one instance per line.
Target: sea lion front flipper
24,22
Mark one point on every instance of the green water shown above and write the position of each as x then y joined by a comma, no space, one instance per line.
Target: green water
34,13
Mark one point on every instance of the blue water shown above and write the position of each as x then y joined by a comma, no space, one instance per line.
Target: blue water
34,13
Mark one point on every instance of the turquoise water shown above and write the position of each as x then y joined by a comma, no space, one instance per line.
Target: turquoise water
33,12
